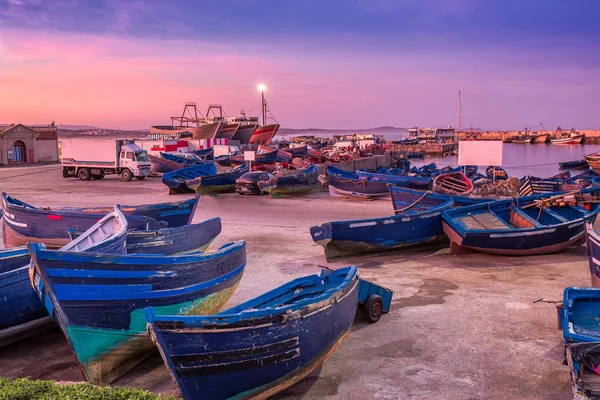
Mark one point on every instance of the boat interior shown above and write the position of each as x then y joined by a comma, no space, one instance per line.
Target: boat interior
582,314
507,216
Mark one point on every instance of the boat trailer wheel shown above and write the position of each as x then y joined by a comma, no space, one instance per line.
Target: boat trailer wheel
373,308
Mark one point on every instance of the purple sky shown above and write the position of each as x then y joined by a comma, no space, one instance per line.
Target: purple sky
326,63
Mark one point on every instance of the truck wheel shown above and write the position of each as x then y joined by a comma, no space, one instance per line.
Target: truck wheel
65,173
126,175
98,176
140,178
84,174
373,308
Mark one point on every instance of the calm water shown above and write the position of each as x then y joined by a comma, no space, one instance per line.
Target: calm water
539,160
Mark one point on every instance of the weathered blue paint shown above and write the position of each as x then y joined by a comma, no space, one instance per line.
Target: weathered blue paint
259,158
218,183
262,346
580,315
417,222
504,227
23,223
367,289
160,165
173,241
206,154
593,247
18,302
102,307
415,182
344,183
302,182
177,180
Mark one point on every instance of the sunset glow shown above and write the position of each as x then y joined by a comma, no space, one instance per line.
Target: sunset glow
364,65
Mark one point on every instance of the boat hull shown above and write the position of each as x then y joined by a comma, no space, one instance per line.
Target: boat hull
21,225
100,310
570,140
262,356
546,241
378,235
540,139
159,165
244,133
221,183
593,247
264,134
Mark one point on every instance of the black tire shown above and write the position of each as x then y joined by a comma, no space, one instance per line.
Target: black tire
84,174
127,175
373,308
140,178
98,176
65,173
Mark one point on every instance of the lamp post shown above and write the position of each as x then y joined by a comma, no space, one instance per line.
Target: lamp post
261,88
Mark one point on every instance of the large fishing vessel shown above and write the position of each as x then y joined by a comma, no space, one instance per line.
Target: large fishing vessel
572,137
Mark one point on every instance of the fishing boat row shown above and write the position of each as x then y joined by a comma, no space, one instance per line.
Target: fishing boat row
528,225
118,293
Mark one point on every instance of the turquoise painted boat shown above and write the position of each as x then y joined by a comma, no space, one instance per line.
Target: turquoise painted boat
98,299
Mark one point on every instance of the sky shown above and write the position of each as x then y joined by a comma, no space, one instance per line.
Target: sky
346,64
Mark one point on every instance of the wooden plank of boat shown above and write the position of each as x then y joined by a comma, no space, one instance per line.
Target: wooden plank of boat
264,345
25,330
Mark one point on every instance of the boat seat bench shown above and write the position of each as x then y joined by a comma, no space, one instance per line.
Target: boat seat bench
579,209
485,221
526,217
556,215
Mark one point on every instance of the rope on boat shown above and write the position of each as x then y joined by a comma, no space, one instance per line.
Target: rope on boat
413,204
360,183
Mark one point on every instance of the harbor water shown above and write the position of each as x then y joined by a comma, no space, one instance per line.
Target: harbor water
540,160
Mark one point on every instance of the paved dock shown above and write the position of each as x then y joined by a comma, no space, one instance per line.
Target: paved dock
460,327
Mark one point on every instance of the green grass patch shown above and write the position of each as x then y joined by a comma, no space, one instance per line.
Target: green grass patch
26,389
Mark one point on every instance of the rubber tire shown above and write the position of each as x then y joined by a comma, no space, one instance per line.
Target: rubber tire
373,308
84,174
126,175
65,173
140,178
98,176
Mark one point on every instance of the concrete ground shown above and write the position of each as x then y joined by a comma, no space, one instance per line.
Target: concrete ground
460,327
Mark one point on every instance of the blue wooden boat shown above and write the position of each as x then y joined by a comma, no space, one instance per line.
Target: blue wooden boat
24,223
98,299
262,346
264,157
298,151
205,154
183,159
159,165
344,183
302,182
414,182
579,164
471,170
223,160
177,180
21,311
417,221
593,248
579,321
218,183
524,226
284,156
186,239
499,172
580,315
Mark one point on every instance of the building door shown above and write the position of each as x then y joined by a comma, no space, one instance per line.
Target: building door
19,154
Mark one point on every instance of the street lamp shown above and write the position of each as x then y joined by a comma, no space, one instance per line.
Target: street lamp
261,88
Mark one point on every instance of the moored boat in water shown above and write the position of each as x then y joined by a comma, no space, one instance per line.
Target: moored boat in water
578,164
23,223
260,347
524,226
98,299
